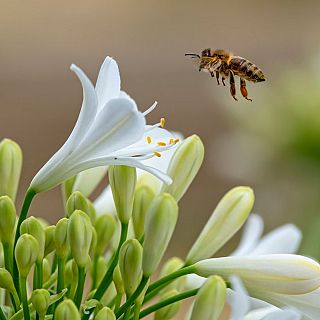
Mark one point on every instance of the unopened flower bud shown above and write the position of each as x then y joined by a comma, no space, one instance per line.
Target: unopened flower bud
184,165
1,256
10,168
117,279
26,253
169,311
142,199
61,238
210,300
71,273
34,227
40,299
102,266
80,236
160,223
123,182
105,226
172,265
49,243
77,202
67,310
130,263
6,281
46,270
105,314
228,217
7,219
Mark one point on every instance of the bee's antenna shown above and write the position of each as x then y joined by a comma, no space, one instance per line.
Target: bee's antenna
192,55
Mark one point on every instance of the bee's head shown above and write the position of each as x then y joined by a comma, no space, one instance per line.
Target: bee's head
206,53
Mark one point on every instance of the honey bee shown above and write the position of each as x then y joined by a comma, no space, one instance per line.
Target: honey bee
224,63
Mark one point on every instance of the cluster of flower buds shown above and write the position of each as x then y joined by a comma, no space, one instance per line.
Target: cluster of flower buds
104,259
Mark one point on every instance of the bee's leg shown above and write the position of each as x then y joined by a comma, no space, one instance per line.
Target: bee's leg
232,87
223,78
217,75
243,89
212,74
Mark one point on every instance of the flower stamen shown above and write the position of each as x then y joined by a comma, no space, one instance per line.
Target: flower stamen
150,109
149,140
157,154
161,144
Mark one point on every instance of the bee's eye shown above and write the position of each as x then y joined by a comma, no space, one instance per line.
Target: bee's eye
220,56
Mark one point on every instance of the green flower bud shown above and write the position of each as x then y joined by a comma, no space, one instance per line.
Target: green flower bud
67,310
210,300
70,273
130,263
7,220
105,226
169,311
142,199
46,270
49,243
10,168
228,217
91,211
80,236
171,266
117,279
26,253
160,223
146,179
34,227
109,294
77,202
123,182
184,166
40,299
1,256
61,238
6,281
105,314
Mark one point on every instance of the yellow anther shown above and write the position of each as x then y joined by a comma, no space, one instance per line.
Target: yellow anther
149,139
171,141
176,140
161,144
162,122
157,154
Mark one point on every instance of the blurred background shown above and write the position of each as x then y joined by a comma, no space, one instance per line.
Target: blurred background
271,144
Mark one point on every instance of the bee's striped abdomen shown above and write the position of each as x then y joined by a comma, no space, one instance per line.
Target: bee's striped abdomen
246,69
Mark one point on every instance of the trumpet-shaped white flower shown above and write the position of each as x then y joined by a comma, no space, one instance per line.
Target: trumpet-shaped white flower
109,131
104,202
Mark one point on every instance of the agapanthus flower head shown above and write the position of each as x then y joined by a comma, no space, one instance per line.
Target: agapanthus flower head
110,130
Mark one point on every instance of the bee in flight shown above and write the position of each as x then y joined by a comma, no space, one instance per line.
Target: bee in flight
224,63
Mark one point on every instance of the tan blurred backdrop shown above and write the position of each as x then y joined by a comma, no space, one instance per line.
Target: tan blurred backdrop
40,98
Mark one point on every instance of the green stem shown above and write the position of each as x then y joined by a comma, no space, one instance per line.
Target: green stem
133,297
2,316
107,279
117,302
94,271
24,298
155,287
136,312
60,284
168,301
127,314
23,214
79,292
39,267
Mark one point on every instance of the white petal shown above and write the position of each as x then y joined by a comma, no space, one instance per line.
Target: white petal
283,315
117,126
285,239
43,179
251,234
259,314
193,281
108,82
104,203
86,181
239,301
281,273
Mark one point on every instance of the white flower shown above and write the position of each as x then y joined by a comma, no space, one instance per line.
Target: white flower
109,131
104,202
